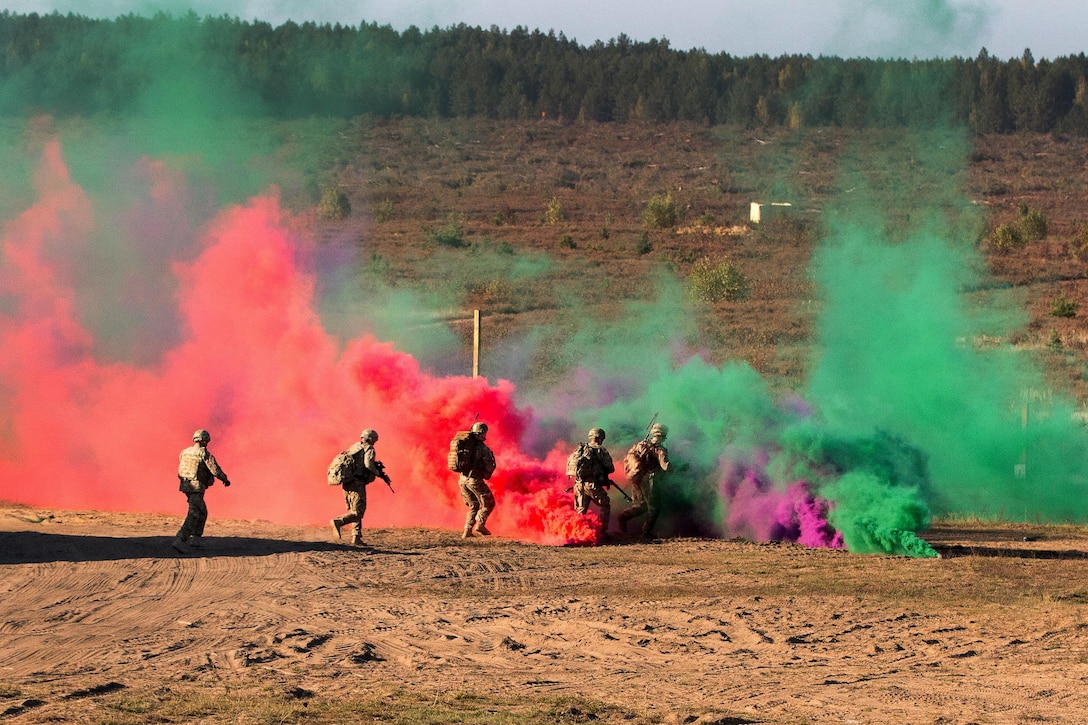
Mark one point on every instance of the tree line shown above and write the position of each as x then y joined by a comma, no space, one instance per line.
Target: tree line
70,64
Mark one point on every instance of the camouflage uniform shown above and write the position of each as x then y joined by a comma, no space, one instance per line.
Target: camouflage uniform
474,489
197,470
595,489
654,457
365,470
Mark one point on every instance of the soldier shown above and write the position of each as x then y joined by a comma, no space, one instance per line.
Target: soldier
645,459
474,489
592,465
364,470
197,470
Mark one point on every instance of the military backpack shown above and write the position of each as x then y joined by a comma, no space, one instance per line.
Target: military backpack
462,453
342,469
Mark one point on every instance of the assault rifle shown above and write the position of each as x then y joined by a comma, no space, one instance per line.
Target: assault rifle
617,487
649,426
606,485
383,475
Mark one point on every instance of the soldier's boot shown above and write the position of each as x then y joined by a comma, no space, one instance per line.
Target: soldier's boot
467,533
194,542
482,530
621,521
356,540
336,528
179,545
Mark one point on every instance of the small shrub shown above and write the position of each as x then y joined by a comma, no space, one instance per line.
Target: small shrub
496,294
716,281
1078,247
1055,341
452,234
706,219
661,212
505,248
604,233
334,204
496,291
1006,237
1032,224
554,213
567,242
643,246
1062,306
383,211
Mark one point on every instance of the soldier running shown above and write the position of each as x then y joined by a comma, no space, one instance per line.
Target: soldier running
366,469
591,466
645,459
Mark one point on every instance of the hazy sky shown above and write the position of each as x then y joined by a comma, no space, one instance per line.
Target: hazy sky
848,28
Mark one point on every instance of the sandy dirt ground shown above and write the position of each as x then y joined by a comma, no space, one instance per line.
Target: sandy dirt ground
684,630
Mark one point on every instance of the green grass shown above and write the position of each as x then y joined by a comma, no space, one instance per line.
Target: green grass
274,705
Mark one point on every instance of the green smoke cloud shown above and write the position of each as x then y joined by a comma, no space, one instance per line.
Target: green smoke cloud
899,351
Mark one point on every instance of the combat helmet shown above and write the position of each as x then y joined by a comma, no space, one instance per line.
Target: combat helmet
659,431
479,429
201,435
369,435
596,434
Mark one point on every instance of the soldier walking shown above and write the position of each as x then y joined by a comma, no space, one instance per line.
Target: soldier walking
642,463
363,470
197,470
475,470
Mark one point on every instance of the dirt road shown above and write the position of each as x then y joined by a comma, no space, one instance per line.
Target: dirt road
685,630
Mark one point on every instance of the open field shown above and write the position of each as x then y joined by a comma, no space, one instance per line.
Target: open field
454,208
539,225
101,623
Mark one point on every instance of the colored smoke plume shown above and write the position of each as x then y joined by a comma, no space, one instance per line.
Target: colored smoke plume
252,364
243,353
898,333
126,325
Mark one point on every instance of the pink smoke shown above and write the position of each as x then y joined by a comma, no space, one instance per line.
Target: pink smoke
759,511
252,364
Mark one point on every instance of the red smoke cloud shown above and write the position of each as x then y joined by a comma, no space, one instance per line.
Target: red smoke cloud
252,364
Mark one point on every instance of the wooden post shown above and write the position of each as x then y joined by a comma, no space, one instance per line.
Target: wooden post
1023,470
475,343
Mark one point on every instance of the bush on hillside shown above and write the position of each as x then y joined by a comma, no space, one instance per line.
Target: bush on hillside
1006,237
452,233
712,281
1062,306
334,204
661,212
